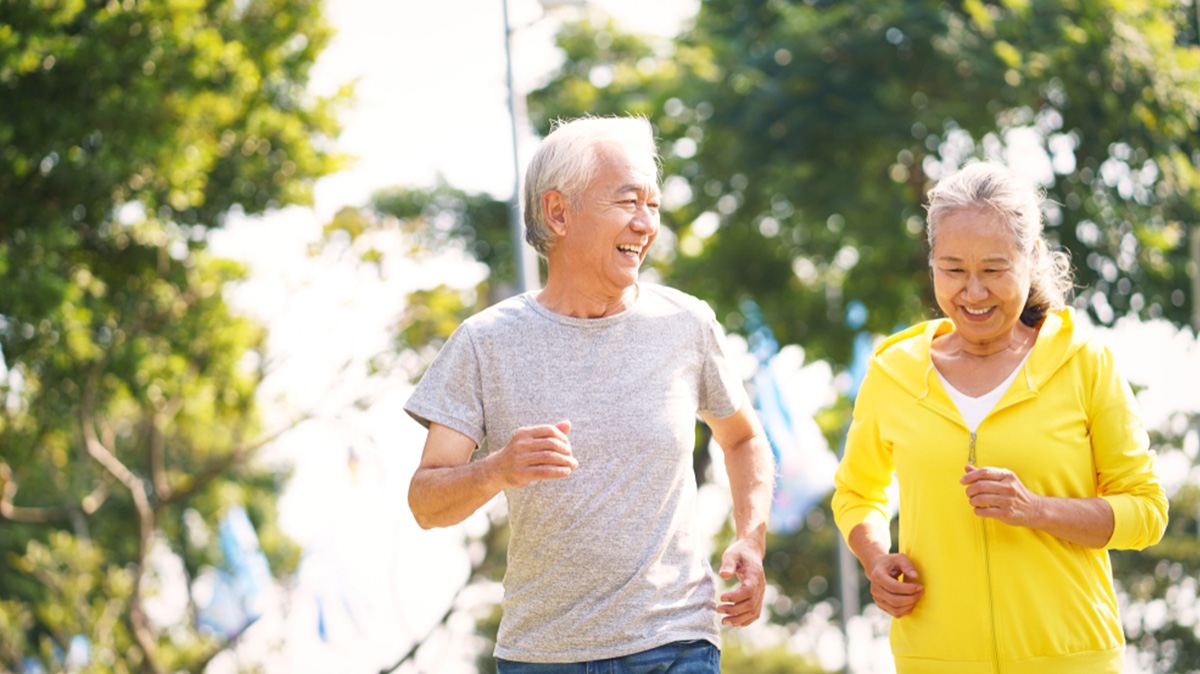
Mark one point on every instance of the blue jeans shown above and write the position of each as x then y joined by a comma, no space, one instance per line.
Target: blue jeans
681,657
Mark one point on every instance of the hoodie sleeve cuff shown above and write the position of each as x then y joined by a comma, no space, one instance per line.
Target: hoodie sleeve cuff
1131,528
852,517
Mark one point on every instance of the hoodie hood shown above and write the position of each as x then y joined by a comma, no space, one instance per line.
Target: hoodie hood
904,357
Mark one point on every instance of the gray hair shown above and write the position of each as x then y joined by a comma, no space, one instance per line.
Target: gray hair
1017,202
566,162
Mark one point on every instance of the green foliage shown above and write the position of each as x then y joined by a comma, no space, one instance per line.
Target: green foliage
126,382
810,132
445,216
84,596
421,224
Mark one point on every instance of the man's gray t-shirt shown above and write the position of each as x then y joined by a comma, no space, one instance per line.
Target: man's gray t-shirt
607,561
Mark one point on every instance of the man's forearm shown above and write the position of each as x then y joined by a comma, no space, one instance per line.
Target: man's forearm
751,470
445,496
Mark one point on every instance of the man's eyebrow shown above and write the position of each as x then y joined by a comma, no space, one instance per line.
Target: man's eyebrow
636,187
655,192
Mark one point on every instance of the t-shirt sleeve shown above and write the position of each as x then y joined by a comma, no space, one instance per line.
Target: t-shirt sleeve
721,390
450,392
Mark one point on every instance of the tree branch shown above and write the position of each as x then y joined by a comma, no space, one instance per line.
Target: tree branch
220,466
8,511
45,515
112,464
156,442
412,650
138,622
202,663
489,540
92,502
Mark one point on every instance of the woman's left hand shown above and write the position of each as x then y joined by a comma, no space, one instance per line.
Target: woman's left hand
998,493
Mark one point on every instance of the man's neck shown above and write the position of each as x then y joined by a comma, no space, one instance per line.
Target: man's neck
562,298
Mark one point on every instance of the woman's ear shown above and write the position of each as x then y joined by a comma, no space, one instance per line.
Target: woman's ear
555,207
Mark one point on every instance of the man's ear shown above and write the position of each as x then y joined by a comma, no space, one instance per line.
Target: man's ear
555,208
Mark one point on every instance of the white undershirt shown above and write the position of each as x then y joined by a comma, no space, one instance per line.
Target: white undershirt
974,410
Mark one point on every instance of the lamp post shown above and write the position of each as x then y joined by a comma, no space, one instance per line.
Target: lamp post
524,257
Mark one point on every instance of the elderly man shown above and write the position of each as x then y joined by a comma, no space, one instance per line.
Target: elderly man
587,392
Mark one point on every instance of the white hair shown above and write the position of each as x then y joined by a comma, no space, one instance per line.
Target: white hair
1017,203
566,162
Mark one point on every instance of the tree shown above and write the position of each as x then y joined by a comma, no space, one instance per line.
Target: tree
803,136
132,129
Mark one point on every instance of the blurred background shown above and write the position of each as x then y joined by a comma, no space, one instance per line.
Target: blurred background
233,233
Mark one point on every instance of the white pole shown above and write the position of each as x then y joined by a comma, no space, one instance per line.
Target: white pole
1196,270
524,257
848,581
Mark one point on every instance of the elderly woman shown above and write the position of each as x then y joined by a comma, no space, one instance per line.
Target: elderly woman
1018,449
587,392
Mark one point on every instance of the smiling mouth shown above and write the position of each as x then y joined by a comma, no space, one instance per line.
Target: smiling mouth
630,250
977,313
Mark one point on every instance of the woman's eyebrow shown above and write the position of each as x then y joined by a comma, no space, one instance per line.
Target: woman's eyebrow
990,258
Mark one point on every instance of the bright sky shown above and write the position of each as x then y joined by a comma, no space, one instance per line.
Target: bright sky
432,93
431,100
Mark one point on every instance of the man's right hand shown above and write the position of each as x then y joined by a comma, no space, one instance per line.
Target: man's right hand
447,487
534,453
896,597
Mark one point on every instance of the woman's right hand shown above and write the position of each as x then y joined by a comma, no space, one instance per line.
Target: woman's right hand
895,596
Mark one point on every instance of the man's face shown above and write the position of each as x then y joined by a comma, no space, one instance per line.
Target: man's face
617,219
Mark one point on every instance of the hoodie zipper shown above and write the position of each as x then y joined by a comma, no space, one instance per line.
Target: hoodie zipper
987,562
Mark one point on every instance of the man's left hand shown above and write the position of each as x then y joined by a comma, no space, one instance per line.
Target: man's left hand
743,604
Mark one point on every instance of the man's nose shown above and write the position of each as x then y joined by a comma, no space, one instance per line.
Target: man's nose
644,220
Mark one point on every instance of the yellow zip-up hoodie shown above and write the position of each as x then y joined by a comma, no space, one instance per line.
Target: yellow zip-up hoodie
1002,599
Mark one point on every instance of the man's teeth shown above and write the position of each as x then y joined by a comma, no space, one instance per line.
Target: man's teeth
632,250
976,312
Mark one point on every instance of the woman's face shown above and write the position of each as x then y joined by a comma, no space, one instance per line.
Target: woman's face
980,277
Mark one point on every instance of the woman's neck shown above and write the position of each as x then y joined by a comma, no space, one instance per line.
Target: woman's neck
1018,341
